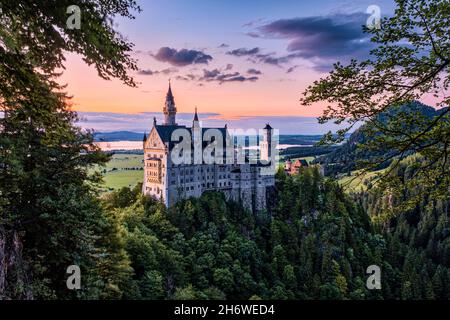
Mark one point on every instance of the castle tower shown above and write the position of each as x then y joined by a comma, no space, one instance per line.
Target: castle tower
195,123
265,152
144,140
197,139
170,110
288,165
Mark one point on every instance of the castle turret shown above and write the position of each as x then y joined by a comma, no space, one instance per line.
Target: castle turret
197,139
265,152
288,165
195,123
144,139
170,110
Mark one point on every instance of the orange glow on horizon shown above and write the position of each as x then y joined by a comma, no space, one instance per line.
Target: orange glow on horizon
266,97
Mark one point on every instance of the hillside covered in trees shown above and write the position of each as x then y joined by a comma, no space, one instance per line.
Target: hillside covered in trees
346,157
315,242
416,228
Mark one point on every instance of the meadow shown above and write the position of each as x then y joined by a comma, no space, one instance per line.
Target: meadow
124,170
357,182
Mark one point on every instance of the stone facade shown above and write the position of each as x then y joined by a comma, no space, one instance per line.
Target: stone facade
164,179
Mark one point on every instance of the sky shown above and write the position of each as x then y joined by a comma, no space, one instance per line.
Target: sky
240,62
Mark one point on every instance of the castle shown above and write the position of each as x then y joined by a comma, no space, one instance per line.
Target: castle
183,162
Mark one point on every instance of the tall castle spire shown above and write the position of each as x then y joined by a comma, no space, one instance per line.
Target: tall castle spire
170,110
196,115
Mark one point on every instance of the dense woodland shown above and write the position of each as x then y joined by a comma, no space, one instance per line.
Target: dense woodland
356,152
314,242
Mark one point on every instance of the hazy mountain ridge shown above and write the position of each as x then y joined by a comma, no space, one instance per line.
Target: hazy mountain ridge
344,158
137,136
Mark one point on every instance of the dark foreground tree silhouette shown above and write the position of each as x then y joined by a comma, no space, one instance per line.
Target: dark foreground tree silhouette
411,61
50,217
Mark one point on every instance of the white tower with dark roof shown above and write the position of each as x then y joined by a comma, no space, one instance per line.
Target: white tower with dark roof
266,144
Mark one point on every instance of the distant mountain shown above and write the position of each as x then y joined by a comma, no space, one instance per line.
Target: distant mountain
136,136
299,139
118,136
344,158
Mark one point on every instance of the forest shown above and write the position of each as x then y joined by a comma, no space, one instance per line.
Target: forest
314,242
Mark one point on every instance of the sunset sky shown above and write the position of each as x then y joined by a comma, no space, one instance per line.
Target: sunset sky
240,62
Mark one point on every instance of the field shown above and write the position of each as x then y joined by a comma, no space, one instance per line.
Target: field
124,170
356,182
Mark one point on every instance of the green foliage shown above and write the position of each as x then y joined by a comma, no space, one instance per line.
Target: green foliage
50,216
417,240
396,75
317,244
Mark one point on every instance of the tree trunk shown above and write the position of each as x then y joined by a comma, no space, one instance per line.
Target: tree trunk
14,276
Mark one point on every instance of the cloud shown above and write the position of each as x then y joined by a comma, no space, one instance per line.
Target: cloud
254,71
229,66
188,77
253,34
323,38
291,69
223,46
221,77
244,52
138,122
148,72
183,57
141,122
255,55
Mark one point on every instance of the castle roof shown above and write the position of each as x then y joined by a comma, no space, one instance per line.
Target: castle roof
196,115
169,96
301,163
166,131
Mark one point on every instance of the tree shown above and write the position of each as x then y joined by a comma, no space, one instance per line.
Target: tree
393,77
48,200
187,293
